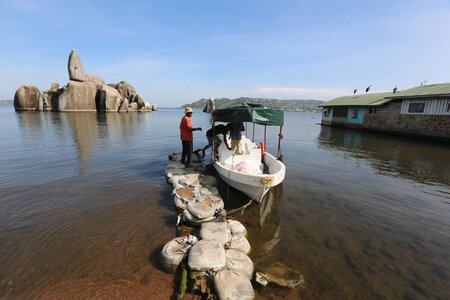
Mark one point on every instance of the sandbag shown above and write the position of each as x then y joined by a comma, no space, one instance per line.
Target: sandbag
188,218
208,180
232,285
205,207
209,190
239,261
207,255
175,251
236,227
184,195
239,242
217,231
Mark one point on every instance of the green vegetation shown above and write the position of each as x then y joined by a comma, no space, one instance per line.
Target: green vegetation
288,105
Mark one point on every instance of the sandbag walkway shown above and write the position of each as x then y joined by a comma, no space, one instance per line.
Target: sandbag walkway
211,253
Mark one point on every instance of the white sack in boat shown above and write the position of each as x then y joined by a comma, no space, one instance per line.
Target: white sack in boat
232,285
217,231
205,207
207,255
239,242
239,261
236,227
175,251
248,166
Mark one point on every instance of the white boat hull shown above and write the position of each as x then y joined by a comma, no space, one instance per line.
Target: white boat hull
254,186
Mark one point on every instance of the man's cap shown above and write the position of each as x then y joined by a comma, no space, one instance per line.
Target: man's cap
188,110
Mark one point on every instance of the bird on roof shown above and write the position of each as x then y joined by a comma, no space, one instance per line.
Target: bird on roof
394,90
354,91
423,83
368,88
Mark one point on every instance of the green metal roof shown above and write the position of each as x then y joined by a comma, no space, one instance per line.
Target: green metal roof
359,100
431,90
248,112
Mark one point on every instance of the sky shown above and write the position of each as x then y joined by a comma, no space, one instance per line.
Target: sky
176,52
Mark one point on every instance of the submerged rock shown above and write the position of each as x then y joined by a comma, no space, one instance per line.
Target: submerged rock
280,275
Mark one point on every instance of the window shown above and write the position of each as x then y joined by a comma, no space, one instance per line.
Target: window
372,110
354,114
448,107
416,107
326,113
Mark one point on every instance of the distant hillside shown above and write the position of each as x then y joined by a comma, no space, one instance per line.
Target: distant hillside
288,105
6,101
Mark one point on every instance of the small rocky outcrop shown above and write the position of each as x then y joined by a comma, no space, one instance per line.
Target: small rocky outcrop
27,97
84,92
76,68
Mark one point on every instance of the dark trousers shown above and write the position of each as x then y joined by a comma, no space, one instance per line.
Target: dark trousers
187,152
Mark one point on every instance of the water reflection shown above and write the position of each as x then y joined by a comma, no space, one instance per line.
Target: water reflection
418,160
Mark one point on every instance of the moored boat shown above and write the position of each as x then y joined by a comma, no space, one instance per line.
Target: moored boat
254,171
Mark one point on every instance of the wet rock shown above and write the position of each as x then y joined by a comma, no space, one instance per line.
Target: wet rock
280,275
75,67
27,97
155,107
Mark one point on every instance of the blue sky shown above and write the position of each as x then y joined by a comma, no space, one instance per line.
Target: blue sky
176,52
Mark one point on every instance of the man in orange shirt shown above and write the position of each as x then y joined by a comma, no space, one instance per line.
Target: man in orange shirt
186,136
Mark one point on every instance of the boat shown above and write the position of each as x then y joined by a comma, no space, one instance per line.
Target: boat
254,171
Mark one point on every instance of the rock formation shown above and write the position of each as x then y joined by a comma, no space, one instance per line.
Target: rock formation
28,97
75,66
84,92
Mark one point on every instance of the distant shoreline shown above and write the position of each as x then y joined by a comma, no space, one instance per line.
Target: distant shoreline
6,101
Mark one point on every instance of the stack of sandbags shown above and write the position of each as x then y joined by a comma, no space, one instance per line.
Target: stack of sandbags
175,251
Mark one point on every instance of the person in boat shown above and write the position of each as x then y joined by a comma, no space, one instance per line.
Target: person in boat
216,130
186,136
236,136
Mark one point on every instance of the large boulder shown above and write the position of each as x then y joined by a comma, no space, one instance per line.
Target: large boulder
108,99
77,96
75,67
55,86
95,79
27,97
125,89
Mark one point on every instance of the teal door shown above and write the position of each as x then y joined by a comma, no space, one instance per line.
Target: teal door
355,116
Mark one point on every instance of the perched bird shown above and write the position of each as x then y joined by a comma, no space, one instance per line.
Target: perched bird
354,91
368,88
394,90
423,83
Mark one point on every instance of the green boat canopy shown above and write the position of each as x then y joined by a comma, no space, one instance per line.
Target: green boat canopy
254,113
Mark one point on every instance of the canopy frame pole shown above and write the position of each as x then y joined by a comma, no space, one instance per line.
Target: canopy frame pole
280,136
214,141
253,139
246,129
265,132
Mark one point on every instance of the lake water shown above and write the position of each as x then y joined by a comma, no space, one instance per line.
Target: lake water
85,209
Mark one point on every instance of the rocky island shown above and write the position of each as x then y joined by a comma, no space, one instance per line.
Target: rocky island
84,92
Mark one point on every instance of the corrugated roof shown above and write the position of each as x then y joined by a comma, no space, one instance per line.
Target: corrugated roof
359,100
441,89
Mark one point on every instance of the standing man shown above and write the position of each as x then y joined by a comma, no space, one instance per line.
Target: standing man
236,136
187,136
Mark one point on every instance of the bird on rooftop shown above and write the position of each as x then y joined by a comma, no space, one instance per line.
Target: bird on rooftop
354,91
368,88
423,83
394,90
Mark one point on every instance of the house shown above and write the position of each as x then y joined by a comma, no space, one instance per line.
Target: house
421,111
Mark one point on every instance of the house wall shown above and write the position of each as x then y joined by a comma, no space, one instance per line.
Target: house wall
339,116
389,119
327,115
355,116
432,106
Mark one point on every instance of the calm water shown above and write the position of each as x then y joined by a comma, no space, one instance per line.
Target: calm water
85,209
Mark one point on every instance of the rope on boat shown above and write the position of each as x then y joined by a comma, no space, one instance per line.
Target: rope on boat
246,205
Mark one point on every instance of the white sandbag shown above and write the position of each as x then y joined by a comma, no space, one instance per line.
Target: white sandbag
248,166
207,255
205,207
239,261
217,231
175,251
236,227
239,242
232,285
208,180
190,179
184,195
209,190
188,218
